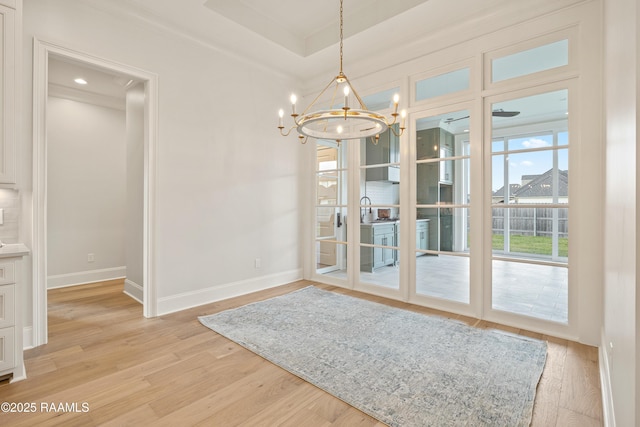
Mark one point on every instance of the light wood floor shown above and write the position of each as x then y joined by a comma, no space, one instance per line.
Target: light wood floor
173,371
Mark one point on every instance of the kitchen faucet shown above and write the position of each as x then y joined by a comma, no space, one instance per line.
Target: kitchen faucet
365,198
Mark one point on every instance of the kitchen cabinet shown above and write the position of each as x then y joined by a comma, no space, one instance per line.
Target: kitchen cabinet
386,151
379,234
10,30
435,179
7,328
446,232
437,143
435,185
422,235
440,233
11,354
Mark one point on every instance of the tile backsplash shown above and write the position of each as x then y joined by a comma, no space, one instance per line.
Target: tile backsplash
10,203
383,193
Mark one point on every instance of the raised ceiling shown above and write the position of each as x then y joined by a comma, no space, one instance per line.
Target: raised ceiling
305,28
300,37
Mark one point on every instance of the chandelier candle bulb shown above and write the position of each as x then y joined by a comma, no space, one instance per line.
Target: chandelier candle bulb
396,99
281,121
346,97
403,115
293,104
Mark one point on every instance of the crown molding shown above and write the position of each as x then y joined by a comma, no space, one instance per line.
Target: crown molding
87,97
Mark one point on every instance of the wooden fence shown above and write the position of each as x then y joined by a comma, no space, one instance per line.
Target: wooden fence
531,221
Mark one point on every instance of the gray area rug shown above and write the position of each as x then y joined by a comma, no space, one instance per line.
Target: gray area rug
400,367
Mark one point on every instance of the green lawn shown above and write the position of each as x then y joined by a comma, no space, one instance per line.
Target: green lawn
532,244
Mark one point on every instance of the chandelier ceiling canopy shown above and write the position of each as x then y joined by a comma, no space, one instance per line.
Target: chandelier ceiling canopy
341,122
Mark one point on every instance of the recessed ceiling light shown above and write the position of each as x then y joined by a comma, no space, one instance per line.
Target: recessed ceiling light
80,81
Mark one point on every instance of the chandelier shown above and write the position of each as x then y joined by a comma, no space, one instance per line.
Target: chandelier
341,122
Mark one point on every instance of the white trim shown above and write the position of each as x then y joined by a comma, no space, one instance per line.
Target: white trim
608,412
41,52
85,277
191,299
11,29
19,374
9,3
133,290
27,337
78,95
570,34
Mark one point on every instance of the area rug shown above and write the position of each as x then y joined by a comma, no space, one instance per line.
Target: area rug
401,367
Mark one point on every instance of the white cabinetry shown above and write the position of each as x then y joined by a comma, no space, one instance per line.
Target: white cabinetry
10,24
11,360
7,353
8,345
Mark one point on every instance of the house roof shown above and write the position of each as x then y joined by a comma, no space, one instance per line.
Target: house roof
538,186
512,189
541,186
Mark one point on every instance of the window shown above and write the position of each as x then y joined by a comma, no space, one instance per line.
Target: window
442,84
541,58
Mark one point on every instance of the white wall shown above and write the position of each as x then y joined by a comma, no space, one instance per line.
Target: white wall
86,192
228,184
620,333
135,191
228,187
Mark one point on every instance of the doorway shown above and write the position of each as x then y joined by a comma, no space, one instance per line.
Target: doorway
43,52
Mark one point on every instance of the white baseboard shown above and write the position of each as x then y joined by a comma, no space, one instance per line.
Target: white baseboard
27,337
186,300
134,290
19,376
84,277
608,413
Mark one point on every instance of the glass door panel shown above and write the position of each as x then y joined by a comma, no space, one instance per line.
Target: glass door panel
331,210
530,206
442,206
531,289
443,276
380,211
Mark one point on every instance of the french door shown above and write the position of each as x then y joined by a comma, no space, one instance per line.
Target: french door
467,211
441,198
464,223
527,161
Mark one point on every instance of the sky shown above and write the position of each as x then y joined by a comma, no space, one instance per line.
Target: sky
528,162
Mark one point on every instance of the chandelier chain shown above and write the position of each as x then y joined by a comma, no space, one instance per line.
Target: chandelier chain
341,35
342,121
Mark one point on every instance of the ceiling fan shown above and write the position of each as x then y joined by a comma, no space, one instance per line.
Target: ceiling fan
495,113
501,113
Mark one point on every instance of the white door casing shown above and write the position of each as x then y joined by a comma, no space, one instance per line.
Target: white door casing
41,51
